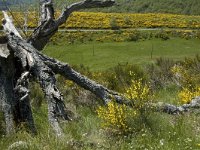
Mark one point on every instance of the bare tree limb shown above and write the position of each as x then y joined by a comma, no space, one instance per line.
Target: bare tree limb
105,94
97,89
21,107
49,26
86,4
8,25
47,11
172,109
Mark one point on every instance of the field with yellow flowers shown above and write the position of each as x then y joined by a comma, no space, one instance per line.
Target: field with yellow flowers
99,20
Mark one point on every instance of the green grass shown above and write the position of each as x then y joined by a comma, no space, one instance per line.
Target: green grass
159,131
163,132
100,56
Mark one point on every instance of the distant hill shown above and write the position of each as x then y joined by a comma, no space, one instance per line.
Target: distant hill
3,5
190,7
11,3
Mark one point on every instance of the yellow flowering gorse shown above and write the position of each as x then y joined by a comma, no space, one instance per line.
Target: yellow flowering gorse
98,20
138,93
186,95
116,116
186,79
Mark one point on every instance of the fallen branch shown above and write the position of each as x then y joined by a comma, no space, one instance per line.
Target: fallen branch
172,109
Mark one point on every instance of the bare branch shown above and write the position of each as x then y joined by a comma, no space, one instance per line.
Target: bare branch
82,5
172,109
49,26
99,90
106,94
47,11
30,62
8,25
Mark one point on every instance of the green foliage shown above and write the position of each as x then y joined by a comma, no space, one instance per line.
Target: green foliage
119,77
160,72
135,36
114,24
186,74
74,37
190,7
163,35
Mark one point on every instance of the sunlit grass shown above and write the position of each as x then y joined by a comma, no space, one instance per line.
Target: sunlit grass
101,56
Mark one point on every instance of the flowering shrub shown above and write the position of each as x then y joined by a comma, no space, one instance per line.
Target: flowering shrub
114,116
138,93
182,76
117,116
187,76
186,95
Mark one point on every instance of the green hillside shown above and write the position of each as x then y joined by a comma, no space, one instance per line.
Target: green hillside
190,7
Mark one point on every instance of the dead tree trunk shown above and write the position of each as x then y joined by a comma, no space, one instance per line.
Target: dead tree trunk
24,61
7,72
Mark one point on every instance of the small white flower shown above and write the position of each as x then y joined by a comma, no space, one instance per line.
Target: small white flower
162,142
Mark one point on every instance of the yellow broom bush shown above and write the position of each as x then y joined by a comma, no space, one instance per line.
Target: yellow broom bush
116,117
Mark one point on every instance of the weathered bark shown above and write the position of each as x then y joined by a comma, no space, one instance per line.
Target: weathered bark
20,102
7,72
99,90
172,109
106,94
45,75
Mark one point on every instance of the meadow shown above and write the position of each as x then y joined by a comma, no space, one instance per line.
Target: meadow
104,55
100,20
110,63
140,64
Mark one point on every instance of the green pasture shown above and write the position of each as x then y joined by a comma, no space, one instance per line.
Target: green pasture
156,130
100,56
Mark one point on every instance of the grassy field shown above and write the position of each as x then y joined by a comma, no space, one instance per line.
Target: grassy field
100,56
99,20
155,131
